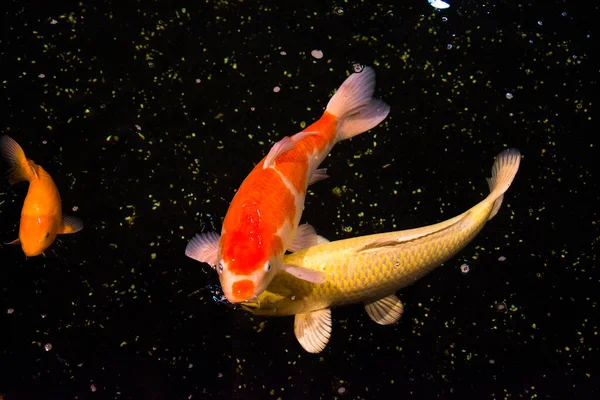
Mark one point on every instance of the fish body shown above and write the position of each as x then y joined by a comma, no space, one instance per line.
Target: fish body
370,269
41,216
263,218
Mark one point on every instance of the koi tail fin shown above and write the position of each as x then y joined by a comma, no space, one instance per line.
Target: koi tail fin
20,168
354,106
503,172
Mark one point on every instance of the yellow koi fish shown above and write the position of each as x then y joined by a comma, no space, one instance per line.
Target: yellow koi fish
370,269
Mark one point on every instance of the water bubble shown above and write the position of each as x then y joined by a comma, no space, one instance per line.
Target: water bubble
48,346
501,307
151,64
540,23
492,361
318,54
341,390
93,387
465,268
564,14
509,95
198,80
276,89
338,11
10,311
449,46
358,67
444,19
501,258
439,4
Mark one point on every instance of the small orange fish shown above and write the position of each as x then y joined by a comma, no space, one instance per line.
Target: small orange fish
41,216
262,220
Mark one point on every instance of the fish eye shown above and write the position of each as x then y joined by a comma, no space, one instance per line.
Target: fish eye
221,267
47,235
267,266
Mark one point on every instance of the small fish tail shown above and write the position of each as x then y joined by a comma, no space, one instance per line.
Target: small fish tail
20,168
354,106
503,172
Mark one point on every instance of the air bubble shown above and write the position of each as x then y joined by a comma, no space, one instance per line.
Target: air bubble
358,67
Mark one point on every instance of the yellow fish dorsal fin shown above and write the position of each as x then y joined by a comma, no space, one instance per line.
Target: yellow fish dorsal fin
313,329
385,311
397,238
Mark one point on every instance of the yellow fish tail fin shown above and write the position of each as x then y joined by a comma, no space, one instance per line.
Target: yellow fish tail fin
503,172
20,168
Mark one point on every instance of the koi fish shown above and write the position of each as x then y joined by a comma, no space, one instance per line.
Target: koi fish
262,220
41,215
370,269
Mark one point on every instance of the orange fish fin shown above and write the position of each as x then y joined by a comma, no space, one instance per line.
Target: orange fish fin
313,329
70,224
353,104
14,242
305,274
318,175
204,248
385,311
20,168
305,237
285,144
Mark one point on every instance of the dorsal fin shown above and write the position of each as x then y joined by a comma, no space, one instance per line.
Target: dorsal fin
411,235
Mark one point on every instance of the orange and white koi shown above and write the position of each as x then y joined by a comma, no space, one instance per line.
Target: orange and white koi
262,220
41,215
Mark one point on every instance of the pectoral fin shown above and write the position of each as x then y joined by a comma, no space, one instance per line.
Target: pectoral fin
204,248
70,224
385,311
313,329
14,242
305,274
305,237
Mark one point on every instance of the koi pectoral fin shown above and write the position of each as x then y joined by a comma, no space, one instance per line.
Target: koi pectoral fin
70,224
385,311
14,242
308,275
313,329
204,248
306,237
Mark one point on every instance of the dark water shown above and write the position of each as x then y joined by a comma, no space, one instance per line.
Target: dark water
149,116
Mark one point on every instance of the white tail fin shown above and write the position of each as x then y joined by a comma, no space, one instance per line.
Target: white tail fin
355,107
503,172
